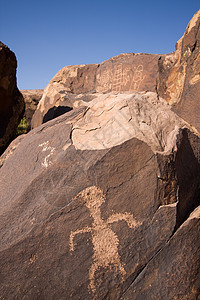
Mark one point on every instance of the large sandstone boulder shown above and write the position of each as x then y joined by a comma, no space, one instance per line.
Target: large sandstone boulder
31,99
11,100
99,207
179,75
126,72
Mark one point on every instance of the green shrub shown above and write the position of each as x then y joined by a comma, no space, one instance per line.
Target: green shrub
22,127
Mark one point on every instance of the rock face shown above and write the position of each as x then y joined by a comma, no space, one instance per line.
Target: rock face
126,72
99,208
31,99
179,75
11,100
170,264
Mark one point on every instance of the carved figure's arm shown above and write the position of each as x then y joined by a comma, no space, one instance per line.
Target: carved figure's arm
126,217
73,233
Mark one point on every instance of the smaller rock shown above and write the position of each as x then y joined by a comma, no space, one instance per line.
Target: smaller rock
112,119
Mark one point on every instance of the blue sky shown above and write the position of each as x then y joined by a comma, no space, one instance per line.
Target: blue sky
48,35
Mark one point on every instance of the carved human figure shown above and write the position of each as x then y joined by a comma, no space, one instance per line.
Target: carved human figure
104,239
138,77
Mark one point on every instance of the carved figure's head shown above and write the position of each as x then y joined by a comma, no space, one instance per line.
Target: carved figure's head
92,196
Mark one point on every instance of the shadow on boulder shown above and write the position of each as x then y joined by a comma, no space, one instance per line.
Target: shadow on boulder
55,112
188,175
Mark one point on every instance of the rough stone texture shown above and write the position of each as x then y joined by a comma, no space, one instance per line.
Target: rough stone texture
58,97
65,102
11,100
111,119
87,223
31,99
126,72
179,75
172,263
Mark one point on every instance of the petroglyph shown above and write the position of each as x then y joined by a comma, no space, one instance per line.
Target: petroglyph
195,79
120,78
137,78
104,80
127,76
46,147
104,239
117,81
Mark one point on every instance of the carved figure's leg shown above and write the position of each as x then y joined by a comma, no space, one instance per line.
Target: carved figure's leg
92,271
119,267
122,271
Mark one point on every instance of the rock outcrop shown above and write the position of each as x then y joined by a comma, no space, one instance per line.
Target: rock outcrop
126,72
102,200
100,207
31,99
179,75
11,100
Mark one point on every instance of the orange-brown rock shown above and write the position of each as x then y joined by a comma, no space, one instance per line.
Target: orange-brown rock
126,72
11,100
179,75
